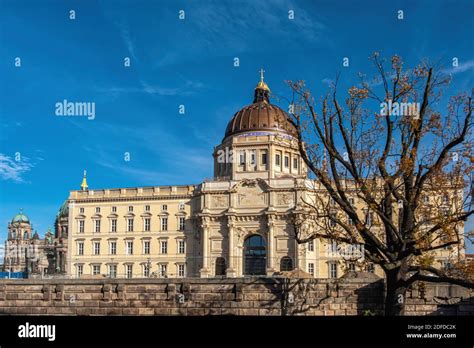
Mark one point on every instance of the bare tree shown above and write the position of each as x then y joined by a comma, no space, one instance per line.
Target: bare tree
394,180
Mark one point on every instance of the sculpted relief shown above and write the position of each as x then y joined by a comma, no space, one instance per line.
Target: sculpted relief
220,201
285,199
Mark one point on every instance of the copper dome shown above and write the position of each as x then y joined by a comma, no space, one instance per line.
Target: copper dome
260,116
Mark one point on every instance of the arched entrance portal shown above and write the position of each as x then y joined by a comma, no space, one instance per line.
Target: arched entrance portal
255,255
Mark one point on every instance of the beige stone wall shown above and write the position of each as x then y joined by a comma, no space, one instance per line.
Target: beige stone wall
240,296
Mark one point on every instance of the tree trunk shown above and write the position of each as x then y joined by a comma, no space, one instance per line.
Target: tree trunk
395,290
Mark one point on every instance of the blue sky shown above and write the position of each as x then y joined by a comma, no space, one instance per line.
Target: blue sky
176,62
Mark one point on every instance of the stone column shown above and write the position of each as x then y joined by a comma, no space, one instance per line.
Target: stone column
205,249
270,242
231,262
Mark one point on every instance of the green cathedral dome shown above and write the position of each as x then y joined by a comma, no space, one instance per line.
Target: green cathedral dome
20,217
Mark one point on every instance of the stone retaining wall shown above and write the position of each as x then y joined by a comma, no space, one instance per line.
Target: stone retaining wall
214,296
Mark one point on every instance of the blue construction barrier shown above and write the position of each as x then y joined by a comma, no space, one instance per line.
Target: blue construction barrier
13,275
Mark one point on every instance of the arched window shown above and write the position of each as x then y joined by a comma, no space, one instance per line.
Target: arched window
220,266
255,255
286,264
25,235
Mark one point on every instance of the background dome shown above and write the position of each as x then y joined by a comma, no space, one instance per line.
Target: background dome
20,217
261,115
63,210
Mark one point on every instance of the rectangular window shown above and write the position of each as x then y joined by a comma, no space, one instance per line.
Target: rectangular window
95,269
447,265
351,267
332,270
96,248
80,270
182,220
350,221
113,225
147,224
81,210
369,219
130,225
97,226
164,207
253,158
146,247
164,224
112,271
113,248
311,269
180,270
146,270
333,247
181,206
97,209
147,208
129,271
163,270
130,208
287,161
81,226
80,248
164,247
114,209
264,159
181,247
311,245
242,158
129,247
295,163
277,160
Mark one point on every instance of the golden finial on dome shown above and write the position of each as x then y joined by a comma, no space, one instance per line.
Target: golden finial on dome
84,186
261,84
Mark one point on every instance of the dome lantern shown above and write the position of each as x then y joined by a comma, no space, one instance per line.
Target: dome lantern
262,91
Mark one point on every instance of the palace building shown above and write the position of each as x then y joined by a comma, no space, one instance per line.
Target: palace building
241,222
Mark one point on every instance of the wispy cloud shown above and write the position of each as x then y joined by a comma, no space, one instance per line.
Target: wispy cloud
128,42
155,145
464,66
11,170
186,89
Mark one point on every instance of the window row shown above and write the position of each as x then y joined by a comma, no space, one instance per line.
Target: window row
146,270
147,208
130,224
129,247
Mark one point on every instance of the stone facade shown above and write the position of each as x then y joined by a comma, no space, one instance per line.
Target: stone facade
360,295
241,222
